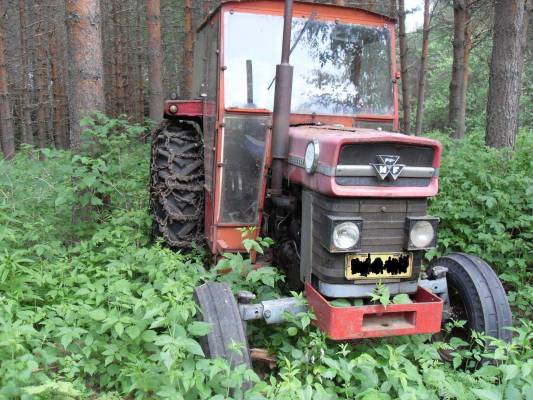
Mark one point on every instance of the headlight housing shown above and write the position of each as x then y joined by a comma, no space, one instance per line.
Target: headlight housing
345,235
312,154
422,233
342,234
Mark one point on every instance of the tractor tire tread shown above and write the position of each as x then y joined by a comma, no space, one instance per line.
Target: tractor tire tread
219,307
177,184
483,291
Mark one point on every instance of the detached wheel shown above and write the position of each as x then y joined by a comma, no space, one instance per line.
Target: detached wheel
176,184
227,338
476,296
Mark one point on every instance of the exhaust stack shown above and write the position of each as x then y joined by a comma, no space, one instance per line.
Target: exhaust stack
282,105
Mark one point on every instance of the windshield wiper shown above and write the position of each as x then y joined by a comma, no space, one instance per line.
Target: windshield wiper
300,34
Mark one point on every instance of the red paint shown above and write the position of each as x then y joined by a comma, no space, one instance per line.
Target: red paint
186,108
332,139
343,323
226,238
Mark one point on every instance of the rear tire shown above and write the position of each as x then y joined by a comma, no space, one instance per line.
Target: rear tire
176,184
219,307
476,295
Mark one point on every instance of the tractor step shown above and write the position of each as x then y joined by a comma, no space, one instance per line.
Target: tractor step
422,316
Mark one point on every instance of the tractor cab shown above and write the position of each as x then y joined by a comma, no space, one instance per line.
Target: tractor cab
343,76
306,152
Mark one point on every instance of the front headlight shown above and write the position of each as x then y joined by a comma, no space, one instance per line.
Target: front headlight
345,235
422,234
312,154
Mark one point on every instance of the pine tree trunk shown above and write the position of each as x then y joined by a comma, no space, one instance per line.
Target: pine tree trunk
7,134
458,66
423,71
461,119
505,82
85,62
153,22
404,50
26,124
130,78
57,74
139,64
41,72
189,40
118,53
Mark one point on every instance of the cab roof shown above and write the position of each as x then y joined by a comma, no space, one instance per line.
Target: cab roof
224,2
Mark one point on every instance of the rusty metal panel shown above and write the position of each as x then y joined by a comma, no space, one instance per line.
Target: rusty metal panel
424,315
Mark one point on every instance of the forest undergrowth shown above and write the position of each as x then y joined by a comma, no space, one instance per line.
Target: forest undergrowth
94,310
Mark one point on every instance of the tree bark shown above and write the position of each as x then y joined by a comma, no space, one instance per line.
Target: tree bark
458,66
153,22
57,75
189,40
26,123
461,123
505,80
423,71
41,73
339,2
404,50
139,64
119,57
86,63
6,118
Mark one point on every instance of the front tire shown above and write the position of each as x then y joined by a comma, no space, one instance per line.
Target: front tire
227,338
476,295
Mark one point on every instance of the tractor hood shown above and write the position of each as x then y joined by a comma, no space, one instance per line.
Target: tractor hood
356,162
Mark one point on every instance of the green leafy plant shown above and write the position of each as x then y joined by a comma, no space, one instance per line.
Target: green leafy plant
94,310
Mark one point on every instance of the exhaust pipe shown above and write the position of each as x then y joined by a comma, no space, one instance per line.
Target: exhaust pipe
282,106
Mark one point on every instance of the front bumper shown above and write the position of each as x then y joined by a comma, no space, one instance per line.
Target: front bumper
423,316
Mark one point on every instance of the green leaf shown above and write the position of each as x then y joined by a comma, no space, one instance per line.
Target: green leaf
199,328
402,298
133,331
119,328
340,303
488,394
149,336
99,314
192,346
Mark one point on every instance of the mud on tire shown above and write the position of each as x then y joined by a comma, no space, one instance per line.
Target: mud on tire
176,184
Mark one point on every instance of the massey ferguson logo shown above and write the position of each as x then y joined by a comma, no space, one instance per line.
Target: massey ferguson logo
388,167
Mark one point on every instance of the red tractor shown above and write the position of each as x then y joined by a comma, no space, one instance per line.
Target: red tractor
308,155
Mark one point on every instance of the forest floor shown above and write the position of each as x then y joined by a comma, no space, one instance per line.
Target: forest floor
94,310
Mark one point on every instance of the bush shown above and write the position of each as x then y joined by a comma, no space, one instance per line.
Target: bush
94,310
486,208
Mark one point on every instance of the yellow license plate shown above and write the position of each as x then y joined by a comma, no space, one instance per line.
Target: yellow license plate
379,266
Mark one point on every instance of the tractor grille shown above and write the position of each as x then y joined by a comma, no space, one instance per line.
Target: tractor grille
365,154
384,222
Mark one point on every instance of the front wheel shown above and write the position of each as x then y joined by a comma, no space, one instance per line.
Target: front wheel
227,338
476,296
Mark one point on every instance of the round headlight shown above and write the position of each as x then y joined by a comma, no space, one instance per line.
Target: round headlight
345,235
312,153
422,234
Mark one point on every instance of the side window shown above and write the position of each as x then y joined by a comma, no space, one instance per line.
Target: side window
200,61
244,144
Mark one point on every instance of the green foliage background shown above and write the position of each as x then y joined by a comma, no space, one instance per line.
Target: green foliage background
94,310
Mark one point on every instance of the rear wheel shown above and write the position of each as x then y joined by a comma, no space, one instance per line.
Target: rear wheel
227,338
476,296
176,184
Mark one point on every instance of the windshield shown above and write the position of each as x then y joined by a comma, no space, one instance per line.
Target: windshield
338,68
